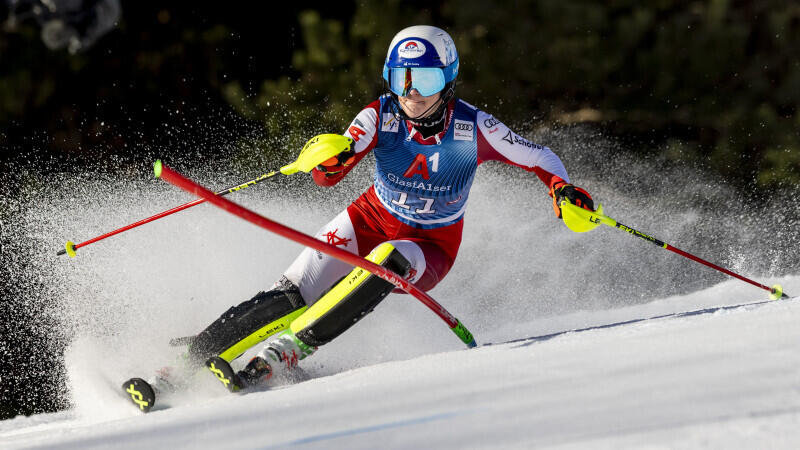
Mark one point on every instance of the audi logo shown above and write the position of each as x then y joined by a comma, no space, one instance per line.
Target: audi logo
464,126
490,122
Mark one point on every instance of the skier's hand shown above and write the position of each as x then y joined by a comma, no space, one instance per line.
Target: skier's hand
338,163
577,196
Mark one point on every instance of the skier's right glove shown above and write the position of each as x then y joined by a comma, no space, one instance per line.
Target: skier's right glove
577,196
334,165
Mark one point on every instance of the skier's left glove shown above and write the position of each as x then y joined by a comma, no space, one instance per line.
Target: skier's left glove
577,196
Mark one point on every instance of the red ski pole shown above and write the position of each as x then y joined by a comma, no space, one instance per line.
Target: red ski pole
70,247
316,150
190,186
580,220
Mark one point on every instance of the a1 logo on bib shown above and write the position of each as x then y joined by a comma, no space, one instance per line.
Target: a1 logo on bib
463,130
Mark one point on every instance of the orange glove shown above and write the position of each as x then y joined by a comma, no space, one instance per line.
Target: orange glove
577,196
336,164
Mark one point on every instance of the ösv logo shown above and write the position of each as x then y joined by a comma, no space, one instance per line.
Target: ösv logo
411,49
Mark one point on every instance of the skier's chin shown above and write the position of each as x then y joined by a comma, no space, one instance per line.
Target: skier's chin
415,113
418,107
417,110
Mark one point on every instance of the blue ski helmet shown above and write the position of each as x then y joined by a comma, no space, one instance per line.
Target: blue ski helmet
421,57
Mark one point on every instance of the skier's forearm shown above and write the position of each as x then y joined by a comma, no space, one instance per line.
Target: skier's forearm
547,178
327,180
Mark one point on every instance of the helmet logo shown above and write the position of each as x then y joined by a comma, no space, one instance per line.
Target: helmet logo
411,49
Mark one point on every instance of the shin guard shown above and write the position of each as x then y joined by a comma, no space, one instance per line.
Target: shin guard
350,299
249,323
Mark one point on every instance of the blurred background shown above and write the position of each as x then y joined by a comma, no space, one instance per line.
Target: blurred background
104,87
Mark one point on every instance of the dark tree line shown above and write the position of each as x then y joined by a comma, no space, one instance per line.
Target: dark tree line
715,81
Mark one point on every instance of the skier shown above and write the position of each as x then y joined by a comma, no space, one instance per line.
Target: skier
427,145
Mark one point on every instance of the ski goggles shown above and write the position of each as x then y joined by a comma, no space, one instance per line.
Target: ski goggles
426,80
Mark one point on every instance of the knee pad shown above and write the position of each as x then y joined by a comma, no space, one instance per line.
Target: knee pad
350,299
249,323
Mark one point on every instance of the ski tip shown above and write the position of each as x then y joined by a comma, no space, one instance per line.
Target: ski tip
140,393
157,167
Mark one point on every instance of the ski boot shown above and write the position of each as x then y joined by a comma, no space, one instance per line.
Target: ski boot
256,371
283,354
279,358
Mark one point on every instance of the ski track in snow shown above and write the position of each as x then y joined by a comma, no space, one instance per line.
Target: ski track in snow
693,371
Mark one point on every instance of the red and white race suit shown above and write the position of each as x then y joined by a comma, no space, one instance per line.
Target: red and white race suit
420,192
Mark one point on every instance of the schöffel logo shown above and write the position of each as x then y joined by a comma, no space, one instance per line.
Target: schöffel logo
513,139
411,49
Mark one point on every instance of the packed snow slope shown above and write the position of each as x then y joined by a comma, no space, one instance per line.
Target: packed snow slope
719,377
572,363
